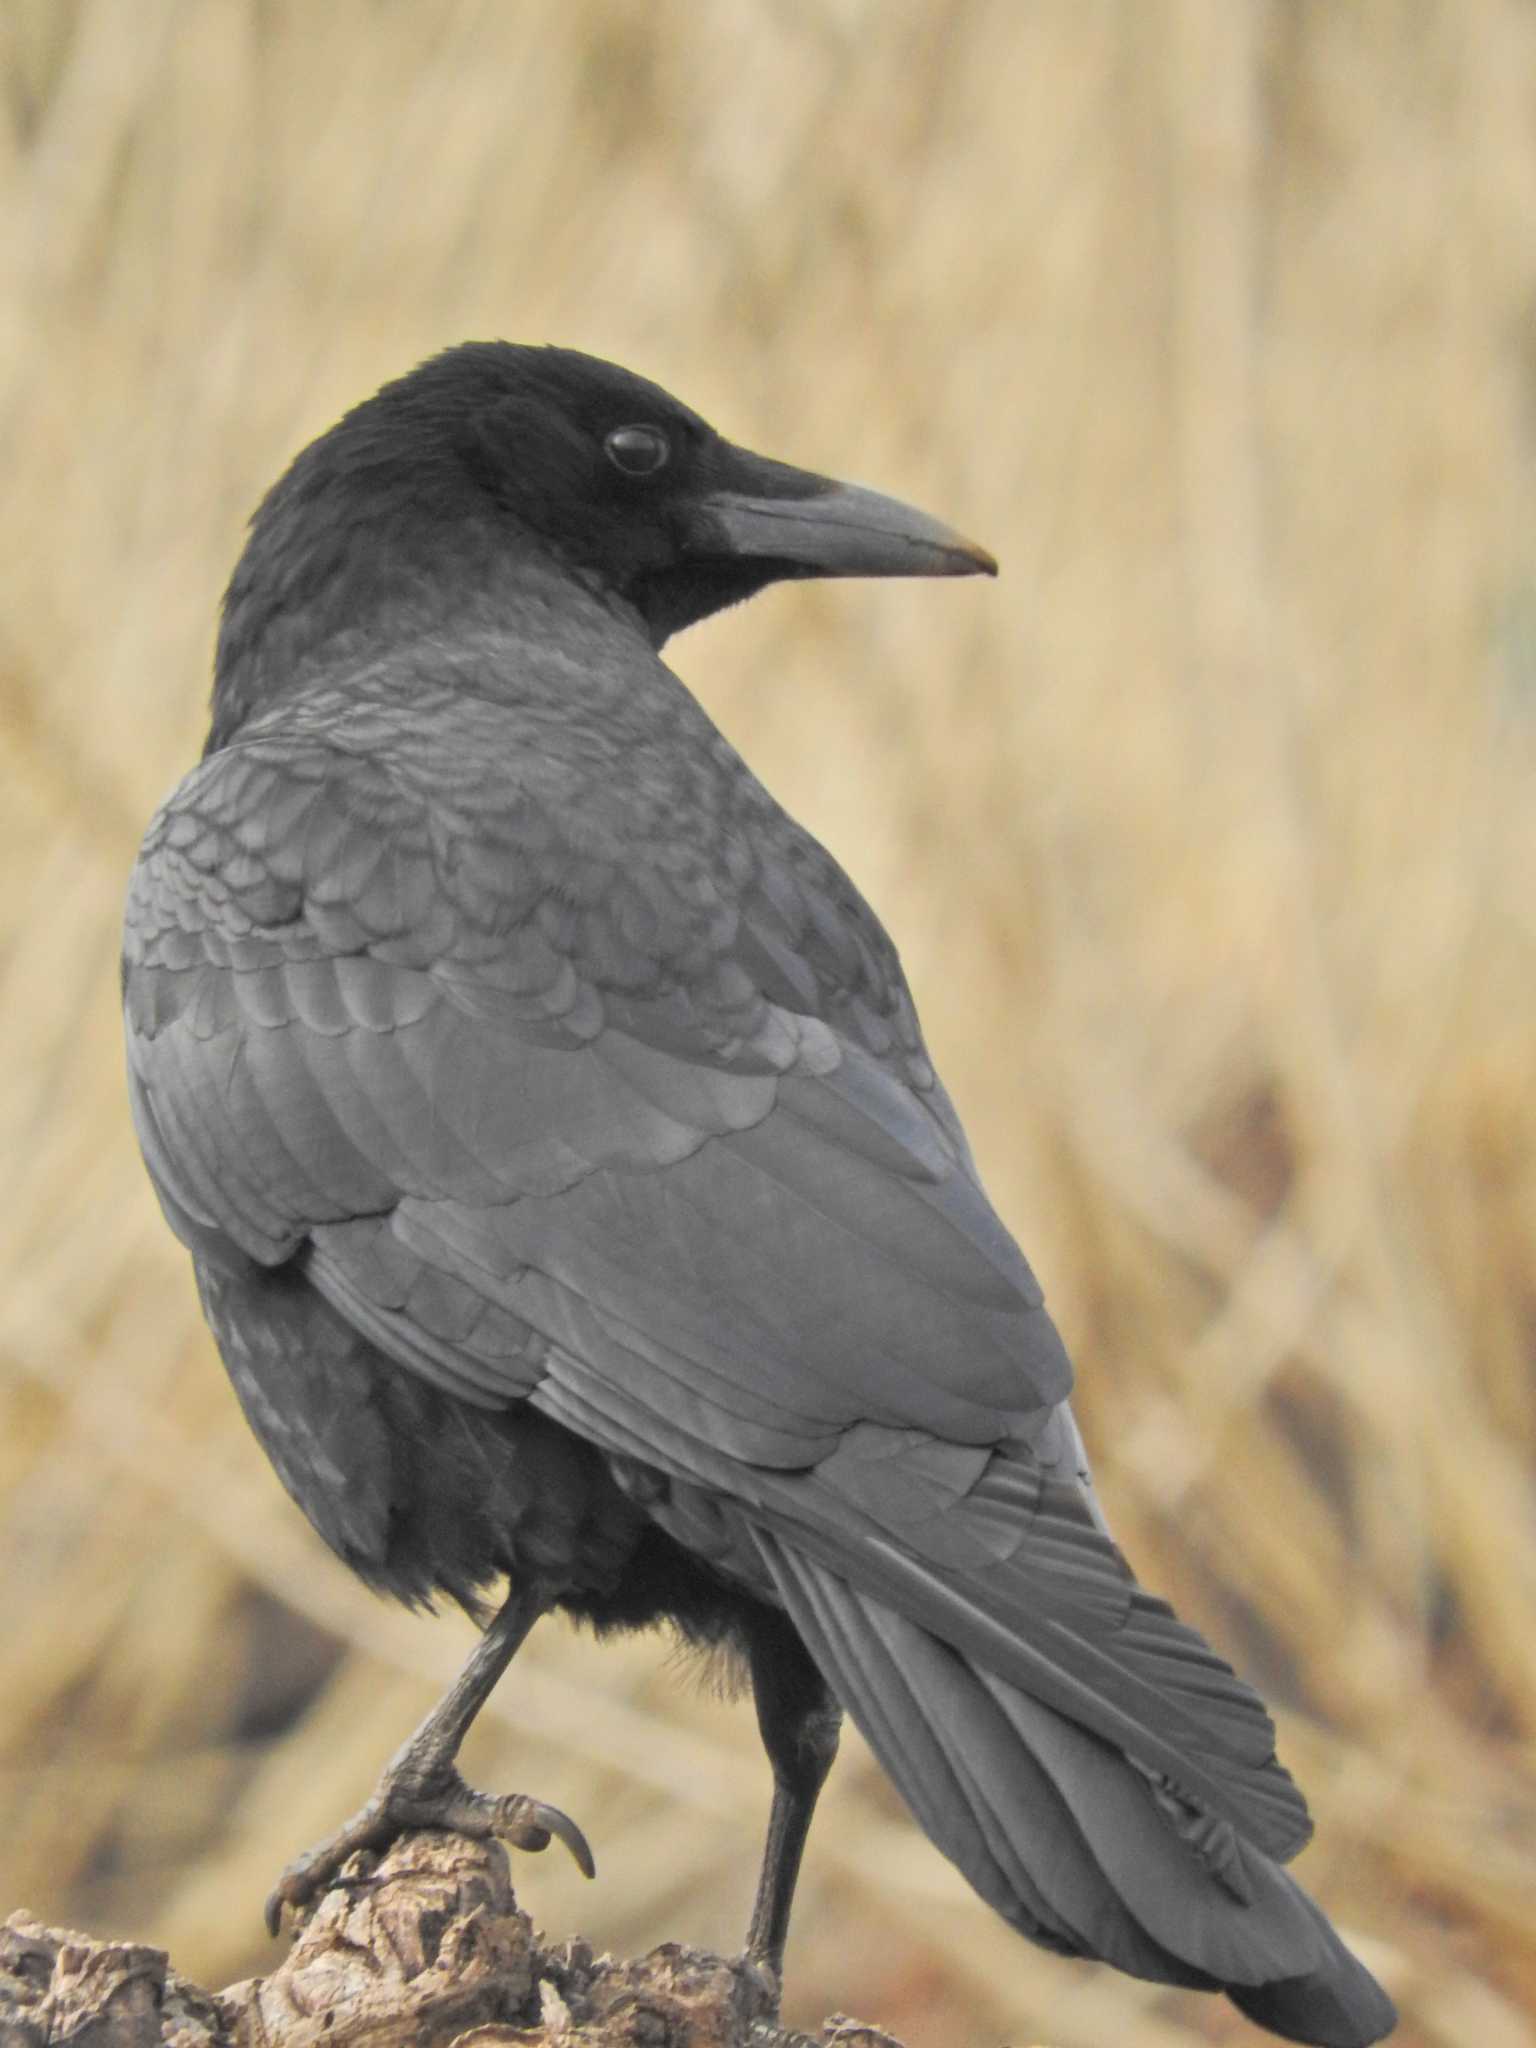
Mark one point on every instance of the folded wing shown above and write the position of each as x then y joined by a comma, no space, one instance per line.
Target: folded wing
671,1165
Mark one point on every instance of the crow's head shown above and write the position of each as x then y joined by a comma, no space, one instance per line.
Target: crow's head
492,453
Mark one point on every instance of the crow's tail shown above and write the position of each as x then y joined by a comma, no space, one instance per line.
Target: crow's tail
1077,1846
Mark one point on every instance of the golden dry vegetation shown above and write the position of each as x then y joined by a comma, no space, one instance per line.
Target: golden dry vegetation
1208,835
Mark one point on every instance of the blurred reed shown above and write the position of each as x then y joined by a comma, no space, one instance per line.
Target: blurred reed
1208,835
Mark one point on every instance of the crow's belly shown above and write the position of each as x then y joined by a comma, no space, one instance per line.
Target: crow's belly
423,1494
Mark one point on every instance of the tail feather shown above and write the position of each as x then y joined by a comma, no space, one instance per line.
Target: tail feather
905,1708
1141,1687
1319,2008
1064,1836
1013,1566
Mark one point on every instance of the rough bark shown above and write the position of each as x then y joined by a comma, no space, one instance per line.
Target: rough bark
427,1947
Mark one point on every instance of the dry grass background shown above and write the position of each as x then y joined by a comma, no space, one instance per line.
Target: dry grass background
1208,834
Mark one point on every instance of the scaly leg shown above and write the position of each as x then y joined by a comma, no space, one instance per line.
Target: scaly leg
800,1722
420,1786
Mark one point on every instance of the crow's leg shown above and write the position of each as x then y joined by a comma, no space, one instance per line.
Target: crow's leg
420,1786
800,1722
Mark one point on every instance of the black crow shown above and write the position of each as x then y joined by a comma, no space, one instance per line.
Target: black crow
573,1200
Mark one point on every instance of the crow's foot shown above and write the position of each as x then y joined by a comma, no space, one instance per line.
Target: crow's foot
409,1796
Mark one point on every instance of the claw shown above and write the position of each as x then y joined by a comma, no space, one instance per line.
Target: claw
549,1820
294,1888
530,1824
272,1912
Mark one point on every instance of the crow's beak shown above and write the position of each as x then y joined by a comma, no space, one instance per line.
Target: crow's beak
766,511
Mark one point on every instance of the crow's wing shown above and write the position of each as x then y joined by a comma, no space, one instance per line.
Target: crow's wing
357,1019
653,1144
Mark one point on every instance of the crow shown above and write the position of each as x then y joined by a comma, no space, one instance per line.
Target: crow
574,1203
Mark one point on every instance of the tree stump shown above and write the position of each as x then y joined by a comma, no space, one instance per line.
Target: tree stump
423,1946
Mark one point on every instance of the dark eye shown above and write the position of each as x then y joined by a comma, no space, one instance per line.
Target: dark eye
638,451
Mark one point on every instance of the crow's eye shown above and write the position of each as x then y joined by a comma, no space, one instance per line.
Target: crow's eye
638,451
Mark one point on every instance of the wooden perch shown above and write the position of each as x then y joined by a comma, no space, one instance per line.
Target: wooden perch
426,1947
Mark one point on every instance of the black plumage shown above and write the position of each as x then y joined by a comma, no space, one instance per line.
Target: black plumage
573,1200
